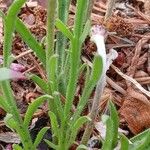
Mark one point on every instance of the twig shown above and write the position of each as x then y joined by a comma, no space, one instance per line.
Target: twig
115,86
128,78
23,54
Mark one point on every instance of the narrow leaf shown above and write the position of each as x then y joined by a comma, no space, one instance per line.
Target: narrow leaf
82,147
33,107
85,31
97,68
139,136
50,144
3,104
10,122
107,144
30,40
80,122
144,143
40,136
17,147
75,128
40,82
9,27
115,119
124,142
54,123
64,29
52,71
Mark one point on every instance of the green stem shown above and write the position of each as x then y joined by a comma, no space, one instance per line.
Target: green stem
63,11
51,11
74,66
75,54
63,7
94,111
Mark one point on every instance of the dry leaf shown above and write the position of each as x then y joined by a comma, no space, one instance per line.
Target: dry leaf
136,111
9,137
147,7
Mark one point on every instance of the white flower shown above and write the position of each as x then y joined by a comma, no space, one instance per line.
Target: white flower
98,37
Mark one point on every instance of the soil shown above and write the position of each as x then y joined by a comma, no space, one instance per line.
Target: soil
128,79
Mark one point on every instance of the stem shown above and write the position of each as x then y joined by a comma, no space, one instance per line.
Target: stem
94,110
75,54
63,11
63,7
51,11
74,65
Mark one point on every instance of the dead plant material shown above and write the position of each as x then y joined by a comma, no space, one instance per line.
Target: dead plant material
136,111
131,80
147,7
119,25
135,60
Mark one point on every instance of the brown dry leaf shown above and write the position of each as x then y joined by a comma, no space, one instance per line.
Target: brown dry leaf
9,137
119,25
136,111
29,19
147,7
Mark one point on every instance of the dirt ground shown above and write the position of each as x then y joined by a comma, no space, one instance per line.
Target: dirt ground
128,79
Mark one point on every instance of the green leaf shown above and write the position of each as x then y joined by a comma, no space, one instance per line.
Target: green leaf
77,125
89,84
9,27
40,82
107,144
124,142
64,29
17,147
80,122
97,68
3,104
52,71
139,136
30,40
115,119
81,12
50,144
54,123
33,107
10,122
85,31
82,147
143,144
112,124
40,136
